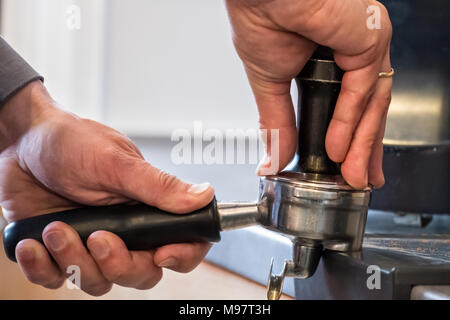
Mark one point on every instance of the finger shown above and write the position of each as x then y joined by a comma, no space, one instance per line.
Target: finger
139,180
357,87
367,138
376,176
181,257
66,248
126,268
277,122
37,265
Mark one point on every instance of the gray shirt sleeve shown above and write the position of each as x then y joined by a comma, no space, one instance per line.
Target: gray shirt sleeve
15,72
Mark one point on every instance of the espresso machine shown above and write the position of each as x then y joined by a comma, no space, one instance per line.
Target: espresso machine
338,234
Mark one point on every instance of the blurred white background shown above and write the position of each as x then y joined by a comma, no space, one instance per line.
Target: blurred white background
144,67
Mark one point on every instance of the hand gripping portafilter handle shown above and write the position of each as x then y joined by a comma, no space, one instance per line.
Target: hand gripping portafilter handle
140,226
319,84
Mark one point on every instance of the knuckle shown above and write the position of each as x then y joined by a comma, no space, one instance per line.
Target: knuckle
113,156
43,278
98,289
187,268
370,141
115,274
167,181
373,48
385,14
117,163
190,265
151,281
38,277
388,28
354,95
384,100
344,121
116,156
55,284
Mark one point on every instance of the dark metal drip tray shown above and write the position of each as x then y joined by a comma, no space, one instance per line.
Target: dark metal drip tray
351,276
403,257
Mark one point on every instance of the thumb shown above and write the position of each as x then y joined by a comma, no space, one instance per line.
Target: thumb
277,123
145,183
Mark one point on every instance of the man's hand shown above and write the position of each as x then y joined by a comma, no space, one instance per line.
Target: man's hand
51,160
275,38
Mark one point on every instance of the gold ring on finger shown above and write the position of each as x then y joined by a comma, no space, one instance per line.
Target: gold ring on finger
389,74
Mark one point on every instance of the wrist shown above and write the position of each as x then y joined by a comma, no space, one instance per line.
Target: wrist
26,109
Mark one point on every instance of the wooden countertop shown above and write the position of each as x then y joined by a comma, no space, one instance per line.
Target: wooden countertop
207,281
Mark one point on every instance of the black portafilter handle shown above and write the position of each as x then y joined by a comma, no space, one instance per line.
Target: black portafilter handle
319,84
140,226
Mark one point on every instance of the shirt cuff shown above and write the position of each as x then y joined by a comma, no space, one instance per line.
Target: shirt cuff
15,72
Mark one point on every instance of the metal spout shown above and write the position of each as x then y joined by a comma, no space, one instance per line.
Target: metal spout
304,264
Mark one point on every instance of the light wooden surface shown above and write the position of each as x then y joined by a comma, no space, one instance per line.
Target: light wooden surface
207,281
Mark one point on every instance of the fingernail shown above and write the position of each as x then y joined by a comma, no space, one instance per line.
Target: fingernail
168,263
199,188
99,249
26,254
56,240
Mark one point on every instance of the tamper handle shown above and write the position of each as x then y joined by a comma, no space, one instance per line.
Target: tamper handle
319,85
